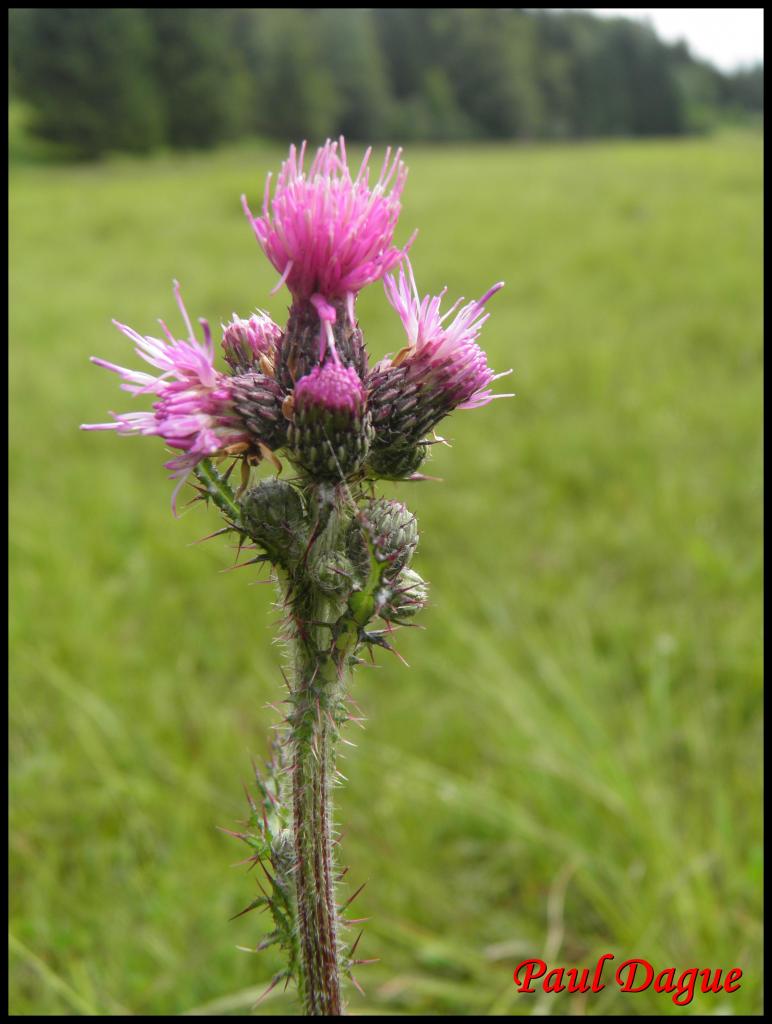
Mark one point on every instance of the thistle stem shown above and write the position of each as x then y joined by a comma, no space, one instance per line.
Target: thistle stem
313,766
317,710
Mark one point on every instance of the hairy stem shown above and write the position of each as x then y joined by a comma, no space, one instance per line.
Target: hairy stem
317,710
313,769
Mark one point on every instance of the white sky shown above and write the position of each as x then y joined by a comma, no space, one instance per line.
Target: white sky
727,36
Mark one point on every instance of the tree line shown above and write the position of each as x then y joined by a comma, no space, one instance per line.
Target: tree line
130,79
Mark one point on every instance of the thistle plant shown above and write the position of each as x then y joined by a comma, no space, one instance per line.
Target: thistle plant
341,554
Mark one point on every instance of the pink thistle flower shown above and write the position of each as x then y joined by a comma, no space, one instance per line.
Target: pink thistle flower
250,343
193,411
441,368
329,234
444,356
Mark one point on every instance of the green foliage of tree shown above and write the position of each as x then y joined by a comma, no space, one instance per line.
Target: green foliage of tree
617,78
350,52
89,77
407,41
131,79
490,58
744,90
700,86
203,79
299,97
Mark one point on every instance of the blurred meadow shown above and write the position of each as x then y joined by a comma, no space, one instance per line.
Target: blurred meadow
570,766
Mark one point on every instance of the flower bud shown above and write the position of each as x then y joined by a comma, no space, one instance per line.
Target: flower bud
272,513
404,409
330,432
258,401
406,597
393,531
332,572
250,344
396,462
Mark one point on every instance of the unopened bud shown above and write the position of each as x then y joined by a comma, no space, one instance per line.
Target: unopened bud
395,462
250,344
332,572
407,595
258,399
330,432
273,516
393,532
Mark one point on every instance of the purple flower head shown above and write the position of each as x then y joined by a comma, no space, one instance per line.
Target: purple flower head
250,343
326,233
193,411
331,388
443,357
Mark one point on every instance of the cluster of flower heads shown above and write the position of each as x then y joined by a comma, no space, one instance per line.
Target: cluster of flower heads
307,389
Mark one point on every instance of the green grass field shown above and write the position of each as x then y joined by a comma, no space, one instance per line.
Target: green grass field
571,764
